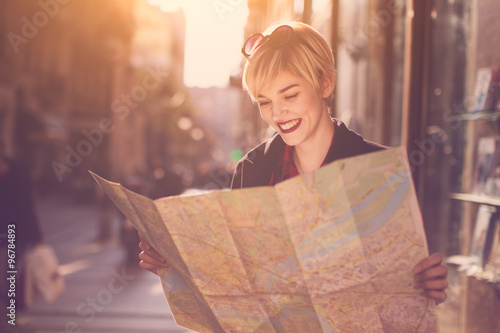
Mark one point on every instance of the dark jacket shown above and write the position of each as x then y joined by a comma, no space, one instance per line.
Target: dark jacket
256,167
17,207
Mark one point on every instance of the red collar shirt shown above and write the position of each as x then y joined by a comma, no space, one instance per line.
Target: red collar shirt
285,167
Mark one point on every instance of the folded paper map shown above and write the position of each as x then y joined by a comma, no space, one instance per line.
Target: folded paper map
328,251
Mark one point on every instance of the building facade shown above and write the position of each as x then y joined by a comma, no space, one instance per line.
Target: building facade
90,85
58,68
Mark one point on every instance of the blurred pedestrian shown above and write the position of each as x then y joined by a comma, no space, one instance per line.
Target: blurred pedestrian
17,214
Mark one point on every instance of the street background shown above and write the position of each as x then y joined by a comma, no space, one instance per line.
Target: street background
95,270
148,93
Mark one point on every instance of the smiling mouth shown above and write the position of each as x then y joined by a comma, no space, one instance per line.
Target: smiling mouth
290,126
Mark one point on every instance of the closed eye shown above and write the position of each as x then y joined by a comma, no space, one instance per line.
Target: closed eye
291,96
263,103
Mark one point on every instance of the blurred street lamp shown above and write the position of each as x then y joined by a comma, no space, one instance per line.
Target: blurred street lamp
197,134
177,99
184,123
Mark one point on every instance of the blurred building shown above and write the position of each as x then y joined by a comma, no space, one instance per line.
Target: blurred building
145,110
370,56
92,85
177,125
59,69
218,119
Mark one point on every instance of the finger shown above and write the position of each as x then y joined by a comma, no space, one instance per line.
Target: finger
153,269
438,296
150,267
437,285
432,260
152,252
151,260
143,240
144,246
433,273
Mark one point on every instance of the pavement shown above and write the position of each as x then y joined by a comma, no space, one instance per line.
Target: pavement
103,293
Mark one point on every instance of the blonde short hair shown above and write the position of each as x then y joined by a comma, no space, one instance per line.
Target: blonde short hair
308,55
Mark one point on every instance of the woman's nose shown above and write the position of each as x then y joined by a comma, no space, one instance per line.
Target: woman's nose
279,109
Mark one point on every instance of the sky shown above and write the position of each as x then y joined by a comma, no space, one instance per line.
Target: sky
214,36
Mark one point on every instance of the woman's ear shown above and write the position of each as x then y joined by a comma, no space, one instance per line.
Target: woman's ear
327,85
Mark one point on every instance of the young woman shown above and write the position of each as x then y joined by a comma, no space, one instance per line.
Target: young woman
290,74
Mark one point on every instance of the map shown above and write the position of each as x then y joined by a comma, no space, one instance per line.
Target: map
328,251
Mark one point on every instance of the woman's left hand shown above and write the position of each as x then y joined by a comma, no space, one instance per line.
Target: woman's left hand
431,275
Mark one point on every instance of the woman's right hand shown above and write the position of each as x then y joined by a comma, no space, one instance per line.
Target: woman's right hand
150,259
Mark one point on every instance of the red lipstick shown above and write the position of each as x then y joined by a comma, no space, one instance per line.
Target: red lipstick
285,127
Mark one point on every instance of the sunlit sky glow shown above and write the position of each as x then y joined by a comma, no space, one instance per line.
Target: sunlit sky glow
214,35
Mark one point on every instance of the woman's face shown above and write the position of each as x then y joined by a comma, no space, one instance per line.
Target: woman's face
294,108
